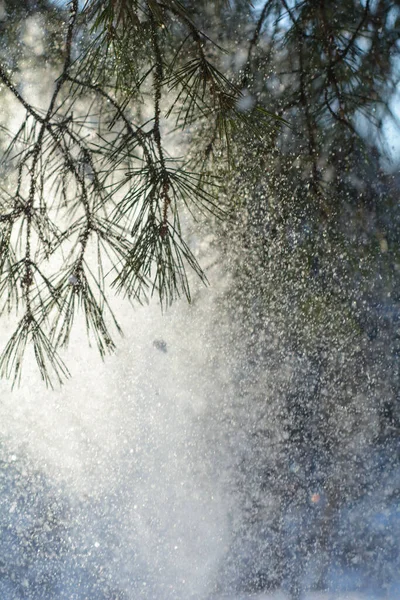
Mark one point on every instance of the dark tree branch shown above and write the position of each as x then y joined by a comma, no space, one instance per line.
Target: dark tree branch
158,78
254,40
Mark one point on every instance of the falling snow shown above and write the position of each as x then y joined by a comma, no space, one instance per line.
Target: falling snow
243,445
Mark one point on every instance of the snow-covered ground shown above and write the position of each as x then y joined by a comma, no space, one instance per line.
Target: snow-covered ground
108,486
309,596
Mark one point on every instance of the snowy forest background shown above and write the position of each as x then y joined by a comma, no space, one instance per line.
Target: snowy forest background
246,442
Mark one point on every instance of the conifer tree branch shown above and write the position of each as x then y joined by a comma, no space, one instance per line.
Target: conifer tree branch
137,133
29,328
28,279
90,173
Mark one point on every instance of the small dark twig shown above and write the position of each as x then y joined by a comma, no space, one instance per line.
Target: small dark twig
8,83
